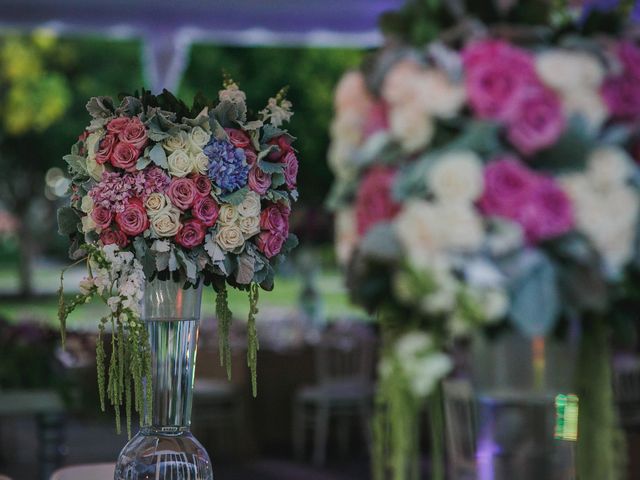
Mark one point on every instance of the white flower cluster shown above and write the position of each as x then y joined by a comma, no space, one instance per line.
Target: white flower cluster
238,223
185,154
606,206
416,358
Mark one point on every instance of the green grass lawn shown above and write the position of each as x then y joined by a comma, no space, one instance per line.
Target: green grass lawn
284,296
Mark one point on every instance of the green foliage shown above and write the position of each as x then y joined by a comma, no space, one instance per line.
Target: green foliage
252,337
225,317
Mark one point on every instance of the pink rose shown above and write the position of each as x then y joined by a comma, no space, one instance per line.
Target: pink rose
538,123
203,185
508,184
117,125
283,142
206,210
548,213
250,156
191,233
377,119
109,237
133,220
259,181
134,133
622,96
182,192
497,75
125,156
629,55
102,216
275,218
374,203
291,169
270,243
238,138
106,148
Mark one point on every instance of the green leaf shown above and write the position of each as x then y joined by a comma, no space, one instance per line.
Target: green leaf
129,106
236,197
100,107
229,114
189,265
277,180
142,163
381,244
68,220
155,132
158,156
277,196
246,269
570,152
76,163
291,243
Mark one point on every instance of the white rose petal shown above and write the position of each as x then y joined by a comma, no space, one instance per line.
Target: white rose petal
249,226
180,164
87,204
166,223
199,163
250,205
438,95
346,234
588,104
156,203
198,138
566,70
88,225
412,126
94,169
230,237
457,177
177,141
228,214
609,167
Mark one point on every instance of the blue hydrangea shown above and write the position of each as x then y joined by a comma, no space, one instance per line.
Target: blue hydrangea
228,167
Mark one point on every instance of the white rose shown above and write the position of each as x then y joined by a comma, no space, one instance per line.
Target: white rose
228,214
156,203
166,223
414,229
198,138
412,345
340,158
495,304
94,169
456,177
347,127
444,298
180,164
199,163
250,205
425,374
609,167
438,95
92,143
230,237
88,225
412,126
351,94
249,226
87,204
459,227
346,234
402,83
177,141
588,104
566,70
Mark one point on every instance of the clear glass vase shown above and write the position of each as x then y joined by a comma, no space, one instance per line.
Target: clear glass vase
164,448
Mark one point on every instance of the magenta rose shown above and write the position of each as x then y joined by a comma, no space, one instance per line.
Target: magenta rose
547,214
134,133
238,138
283,142
538,123
508,185
622,96
291,169
182,192
117,125
377,120
629,55
203,185
270,243
250,156
125,156
374,203
102,216
275,219
497,75
106,148
133,220
191,233
206,210
109,237
259,181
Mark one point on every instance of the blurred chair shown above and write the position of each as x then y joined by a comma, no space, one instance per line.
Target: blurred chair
218,412
344,358
3,477
460,421
626,386
98,471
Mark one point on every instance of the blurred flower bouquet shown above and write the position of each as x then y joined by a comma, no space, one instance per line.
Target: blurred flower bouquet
490,182
193,195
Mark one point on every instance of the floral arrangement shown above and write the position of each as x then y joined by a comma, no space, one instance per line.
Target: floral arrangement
196,195
494,181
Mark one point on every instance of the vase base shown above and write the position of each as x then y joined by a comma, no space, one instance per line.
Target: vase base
152,456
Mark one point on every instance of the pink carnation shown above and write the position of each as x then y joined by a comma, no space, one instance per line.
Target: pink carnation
259,181
374,203
270,243
133,220
182,192
535,202
538,122
191,233
497,75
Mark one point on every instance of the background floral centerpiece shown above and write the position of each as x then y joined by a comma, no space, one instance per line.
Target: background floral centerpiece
197,194
483,177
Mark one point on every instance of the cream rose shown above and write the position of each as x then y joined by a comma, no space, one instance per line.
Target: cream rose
346,234
94,169
88,224
609,167
249,226
414,229
166,223
458,227
156,203
228,214
401,83
177,141
198,138
87,204
200,163
567,70
456,177
438,95
250,206
92,143
412,127
351,93
230,237
180,164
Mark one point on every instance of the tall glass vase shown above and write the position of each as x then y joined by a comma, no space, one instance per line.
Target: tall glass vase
164,448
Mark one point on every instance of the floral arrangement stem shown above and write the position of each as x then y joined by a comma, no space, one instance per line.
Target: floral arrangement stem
600,445
252,333
436,416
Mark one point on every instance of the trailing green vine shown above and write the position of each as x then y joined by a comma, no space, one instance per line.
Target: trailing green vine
252,337
225,318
